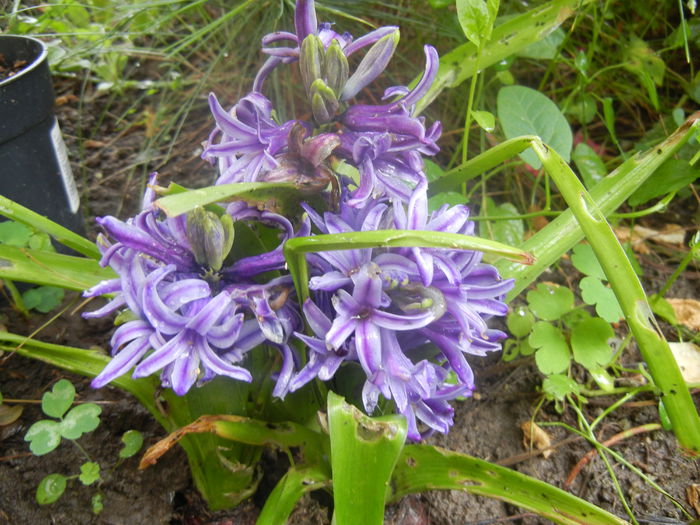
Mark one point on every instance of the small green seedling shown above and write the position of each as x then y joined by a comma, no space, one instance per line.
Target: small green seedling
46,435
558,332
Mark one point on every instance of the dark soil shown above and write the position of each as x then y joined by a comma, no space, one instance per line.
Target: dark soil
8,68
487,426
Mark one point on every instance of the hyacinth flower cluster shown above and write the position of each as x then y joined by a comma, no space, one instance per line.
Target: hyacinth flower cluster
197,303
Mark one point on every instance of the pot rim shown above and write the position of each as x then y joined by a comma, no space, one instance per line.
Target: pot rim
35,63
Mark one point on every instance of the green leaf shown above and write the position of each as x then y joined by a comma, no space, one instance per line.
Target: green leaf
552,356
525,111
511,231
558,386
525,349
96,503
583,109
41,241
589,164
89,473
594,292
364,451
433,170
50,268
9,414
589,342
258,193
133,441
43,436
520,321
604,380
296,482
451,198
50,489
43,299
545,49
439,4
476,17
19,213
14,234
584,260
672,175
423,467
81,419
59,399
485,119
663,309
550,301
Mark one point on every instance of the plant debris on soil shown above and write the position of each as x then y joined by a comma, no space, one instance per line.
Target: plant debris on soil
9,69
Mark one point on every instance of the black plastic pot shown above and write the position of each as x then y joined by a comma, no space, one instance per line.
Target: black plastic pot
34,167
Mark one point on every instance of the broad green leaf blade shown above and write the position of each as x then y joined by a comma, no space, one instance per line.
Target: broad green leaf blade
671,176
550,301
553,355
508,231
364,451
589,164
80,420
423,467
133,441
43,436
520,321
19,213
294,484
584,260
594,292
273,195
15,233
589,342
525,111
558,386
476,17
59,399
506,39
50,489
51,269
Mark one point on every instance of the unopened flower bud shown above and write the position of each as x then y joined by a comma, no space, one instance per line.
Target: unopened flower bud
372,65
324,103
311,61
210,237
336,67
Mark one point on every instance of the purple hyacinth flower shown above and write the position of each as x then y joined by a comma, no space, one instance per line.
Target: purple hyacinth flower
246,139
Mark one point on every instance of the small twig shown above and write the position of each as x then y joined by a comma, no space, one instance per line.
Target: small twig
519,458
651,427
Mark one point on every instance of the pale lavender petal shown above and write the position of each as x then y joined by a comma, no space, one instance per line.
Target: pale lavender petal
166,354
120,364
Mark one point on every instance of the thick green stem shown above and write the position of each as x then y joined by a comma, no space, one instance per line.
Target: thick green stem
631,296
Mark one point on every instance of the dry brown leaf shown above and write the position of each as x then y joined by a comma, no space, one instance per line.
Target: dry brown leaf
94,144
535,435
687,312
670,233
688,358
692,494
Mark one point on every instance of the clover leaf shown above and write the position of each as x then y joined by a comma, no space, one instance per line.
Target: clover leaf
43,436
133,441
550,301
50,489
589,342
56,402
81,419
89,473
520,321
552,356
558,386
594,292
